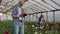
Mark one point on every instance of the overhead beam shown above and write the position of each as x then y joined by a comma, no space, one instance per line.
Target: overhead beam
37,6
42,5
34,7
51,4
47,11
29,9
47,3
41,2
55,2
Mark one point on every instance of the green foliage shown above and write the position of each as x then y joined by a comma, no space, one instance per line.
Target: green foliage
6,25
29,29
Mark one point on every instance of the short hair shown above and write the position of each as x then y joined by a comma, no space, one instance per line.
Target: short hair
20,3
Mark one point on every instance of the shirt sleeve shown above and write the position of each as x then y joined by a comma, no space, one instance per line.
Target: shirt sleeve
13,12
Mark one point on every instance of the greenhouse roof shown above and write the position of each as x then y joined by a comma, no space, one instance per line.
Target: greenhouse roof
37,6
32,6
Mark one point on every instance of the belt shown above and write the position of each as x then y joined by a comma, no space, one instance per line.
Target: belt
20,20
16,17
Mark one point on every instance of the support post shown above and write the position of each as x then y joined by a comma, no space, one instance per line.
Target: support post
46,16
36,17
33,17
29,18
53,16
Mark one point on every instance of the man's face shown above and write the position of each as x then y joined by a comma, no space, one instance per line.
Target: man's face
20,5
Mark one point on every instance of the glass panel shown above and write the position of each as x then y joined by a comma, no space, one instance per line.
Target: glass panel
34,9
44,14
34,17
1,14
9,0
57,1
46,5
52,4
29,10
37,6
57,16
42,6
50,17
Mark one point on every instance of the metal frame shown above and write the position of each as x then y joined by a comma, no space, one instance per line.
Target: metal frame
37,6
47,11
55,2
49,4
42,5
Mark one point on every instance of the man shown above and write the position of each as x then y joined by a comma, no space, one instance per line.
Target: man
18,18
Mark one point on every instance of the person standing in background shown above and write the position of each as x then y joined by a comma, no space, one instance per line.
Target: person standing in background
18,15
40,21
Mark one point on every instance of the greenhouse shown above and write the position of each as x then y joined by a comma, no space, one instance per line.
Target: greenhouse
48,9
